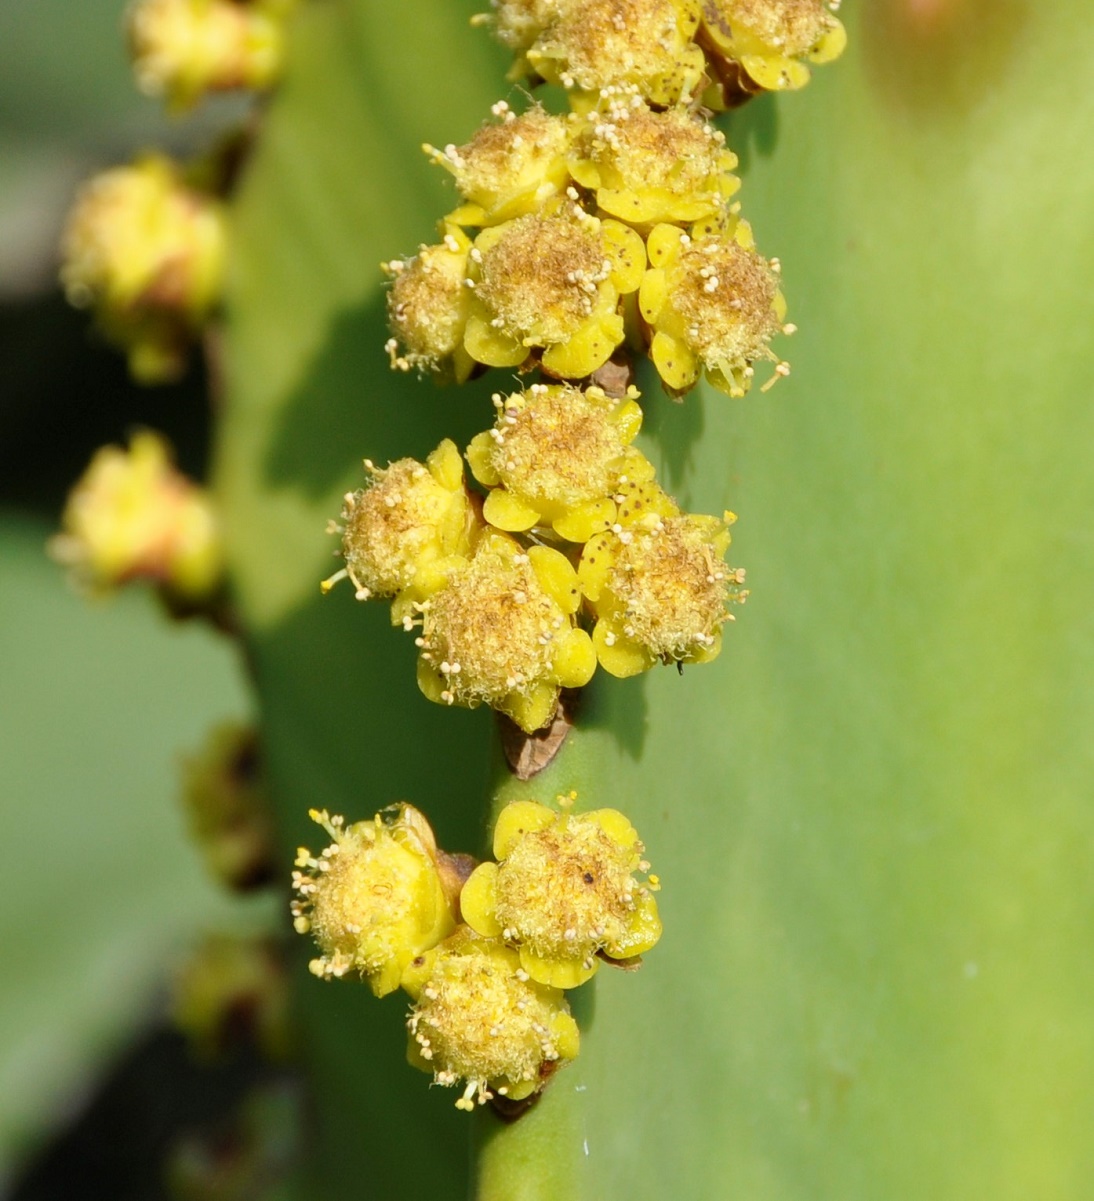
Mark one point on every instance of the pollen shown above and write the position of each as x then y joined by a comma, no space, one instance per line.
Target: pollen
374,899
563,892
476,1020
427,309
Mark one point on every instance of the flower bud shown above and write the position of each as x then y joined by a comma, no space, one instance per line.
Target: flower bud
146,252
374,899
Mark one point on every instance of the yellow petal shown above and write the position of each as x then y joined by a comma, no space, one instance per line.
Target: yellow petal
589,348
595,566
616,826
565,1035
663,243
581,522
643,930
628,419
517,819
556,576
480,458
830,46
675,362
505,512
585,172
628,254
517,1090
445,465
558,973
776,74
704,654
491,346
575,660
532,710
619,657
479,900
430,681
389,977
651,294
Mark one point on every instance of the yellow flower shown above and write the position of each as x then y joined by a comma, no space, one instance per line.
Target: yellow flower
375,898
227,808
556,456
133,515
427,308
764,45
658,585
646,166
407,529
508,169
552,282
182,49
713,305
563,891
501,632
595,44
478,1018
146,252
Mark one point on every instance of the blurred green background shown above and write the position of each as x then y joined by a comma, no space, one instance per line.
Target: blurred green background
97,702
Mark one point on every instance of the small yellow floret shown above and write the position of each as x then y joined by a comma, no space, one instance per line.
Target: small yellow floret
427,308
374,899
146,253
659,587
510,168
183,49
713,304
563,892
407,529
552,283
556,456
765,45
647,166
478,1018
134,515
595,44
501,632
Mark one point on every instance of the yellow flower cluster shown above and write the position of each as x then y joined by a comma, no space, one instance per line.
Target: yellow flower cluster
669,50
486,954
575,557
562,253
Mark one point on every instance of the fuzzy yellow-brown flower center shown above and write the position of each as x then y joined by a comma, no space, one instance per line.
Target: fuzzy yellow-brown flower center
725,296
671,587
541,278
477,1019
791,26
491,632
427,305
566,890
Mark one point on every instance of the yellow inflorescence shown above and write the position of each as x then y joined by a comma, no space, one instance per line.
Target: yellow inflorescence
145,251
133,515
374,899
489,1008
183,49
